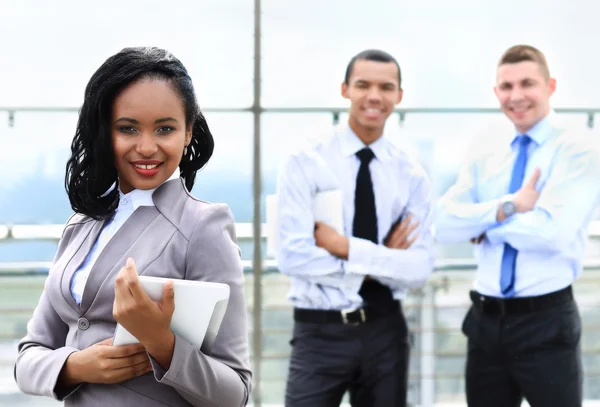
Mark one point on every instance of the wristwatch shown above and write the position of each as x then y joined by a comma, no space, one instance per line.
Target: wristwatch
508,208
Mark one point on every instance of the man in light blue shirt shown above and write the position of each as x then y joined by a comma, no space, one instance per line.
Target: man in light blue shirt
349,329
526,197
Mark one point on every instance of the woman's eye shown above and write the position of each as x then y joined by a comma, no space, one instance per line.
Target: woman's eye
127,129
166,129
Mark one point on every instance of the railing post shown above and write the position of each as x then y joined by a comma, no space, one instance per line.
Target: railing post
257,221
428,346
402,117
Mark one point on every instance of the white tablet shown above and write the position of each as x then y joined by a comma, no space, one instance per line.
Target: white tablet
199,310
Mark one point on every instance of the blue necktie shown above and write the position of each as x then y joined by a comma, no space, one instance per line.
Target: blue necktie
509,257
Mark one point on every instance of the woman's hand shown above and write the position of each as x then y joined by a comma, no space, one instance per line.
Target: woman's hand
149,321
104,363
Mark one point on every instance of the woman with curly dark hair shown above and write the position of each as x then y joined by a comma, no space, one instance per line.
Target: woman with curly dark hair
139,142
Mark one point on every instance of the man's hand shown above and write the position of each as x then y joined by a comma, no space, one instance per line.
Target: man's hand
477,240
327,238
400,236
526,197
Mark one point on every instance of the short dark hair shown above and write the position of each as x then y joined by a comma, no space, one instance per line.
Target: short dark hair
91,169
522,53
372,55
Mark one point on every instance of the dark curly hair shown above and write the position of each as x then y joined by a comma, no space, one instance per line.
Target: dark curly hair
91,168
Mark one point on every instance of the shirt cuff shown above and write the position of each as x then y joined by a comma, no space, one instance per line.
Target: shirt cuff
492,233
181,352
491,216
359,256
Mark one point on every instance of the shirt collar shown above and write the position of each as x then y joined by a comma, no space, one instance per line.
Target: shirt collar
351,144
142,197
540,131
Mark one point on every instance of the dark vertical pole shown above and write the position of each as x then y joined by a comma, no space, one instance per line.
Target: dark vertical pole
256,221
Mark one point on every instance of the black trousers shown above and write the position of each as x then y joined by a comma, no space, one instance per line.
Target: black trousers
369,360
532,355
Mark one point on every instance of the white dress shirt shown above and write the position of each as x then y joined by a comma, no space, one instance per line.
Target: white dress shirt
322,281
128,203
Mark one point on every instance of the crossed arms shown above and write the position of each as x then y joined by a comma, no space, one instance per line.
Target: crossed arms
547,217
318,253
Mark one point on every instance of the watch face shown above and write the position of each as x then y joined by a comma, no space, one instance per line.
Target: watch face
508,208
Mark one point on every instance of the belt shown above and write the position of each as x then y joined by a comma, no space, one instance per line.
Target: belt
346,316
520,305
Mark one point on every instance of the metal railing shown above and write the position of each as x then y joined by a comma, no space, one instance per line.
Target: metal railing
244,231
334,111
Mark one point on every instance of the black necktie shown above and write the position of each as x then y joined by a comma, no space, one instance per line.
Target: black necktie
364,226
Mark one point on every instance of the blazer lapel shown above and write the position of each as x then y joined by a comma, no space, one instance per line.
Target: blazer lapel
112,257
77,255
170,200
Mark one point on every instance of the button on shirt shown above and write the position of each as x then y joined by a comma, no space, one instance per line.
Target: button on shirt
551,238
322,281
128,203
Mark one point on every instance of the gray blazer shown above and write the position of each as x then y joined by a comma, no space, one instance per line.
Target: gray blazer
181,237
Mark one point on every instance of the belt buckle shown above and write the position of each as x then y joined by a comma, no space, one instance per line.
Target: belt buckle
361,313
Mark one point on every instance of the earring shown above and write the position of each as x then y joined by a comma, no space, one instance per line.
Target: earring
185,150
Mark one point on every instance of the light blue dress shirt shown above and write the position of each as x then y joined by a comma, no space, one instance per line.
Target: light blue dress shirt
322,281
128,203
551,238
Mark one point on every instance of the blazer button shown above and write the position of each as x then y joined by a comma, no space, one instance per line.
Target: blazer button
83,324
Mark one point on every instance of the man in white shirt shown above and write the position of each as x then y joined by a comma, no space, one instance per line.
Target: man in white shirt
527,197
349,330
